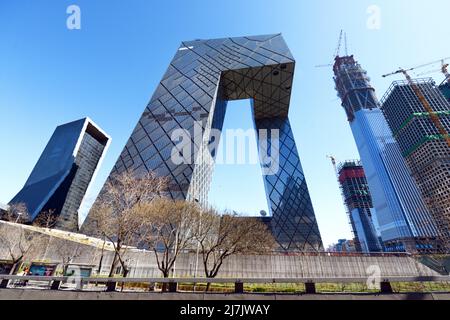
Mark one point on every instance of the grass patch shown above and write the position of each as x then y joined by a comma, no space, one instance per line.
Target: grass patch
275,288
403,287
344,288
293,288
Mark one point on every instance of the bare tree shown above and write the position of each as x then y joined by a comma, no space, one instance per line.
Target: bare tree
115,215
221,236
46,219
170,229
20,244
17,213
67,251
15,239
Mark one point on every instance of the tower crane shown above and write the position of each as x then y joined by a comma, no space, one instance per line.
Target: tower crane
433,116
443,68
342,36
333,162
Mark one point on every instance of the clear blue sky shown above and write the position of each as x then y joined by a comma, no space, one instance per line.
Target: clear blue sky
108,70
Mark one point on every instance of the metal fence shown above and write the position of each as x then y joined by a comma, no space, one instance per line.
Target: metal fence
111,284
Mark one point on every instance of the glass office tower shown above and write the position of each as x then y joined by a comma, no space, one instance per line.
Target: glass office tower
64,172
192,96
401,216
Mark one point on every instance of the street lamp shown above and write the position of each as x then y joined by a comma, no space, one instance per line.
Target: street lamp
198,246
177,230
18,216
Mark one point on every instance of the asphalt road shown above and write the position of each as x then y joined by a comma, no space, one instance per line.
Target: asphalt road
31,294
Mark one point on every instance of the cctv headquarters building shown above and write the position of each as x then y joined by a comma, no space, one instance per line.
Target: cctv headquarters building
201,78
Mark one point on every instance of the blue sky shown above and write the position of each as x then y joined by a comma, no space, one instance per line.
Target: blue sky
108,70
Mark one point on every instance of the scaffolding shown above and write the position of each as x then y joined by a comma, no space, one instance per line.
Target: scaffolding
356,194
403,215
347,211
423,145
353,86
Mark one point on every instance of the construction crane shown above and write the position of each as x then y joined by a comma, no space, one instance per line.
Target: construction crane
333,162
443,68
338,48
433,116
342,36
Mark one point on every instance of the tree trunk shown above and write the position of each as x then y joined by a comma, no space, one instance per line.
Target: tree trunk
208,285
14,267
65,267
4,282
111,286
165,285
113,265
100,264
13,271
125,273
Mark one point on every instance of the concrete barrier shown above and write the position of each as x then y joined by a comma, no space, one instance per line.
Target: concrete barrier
143,264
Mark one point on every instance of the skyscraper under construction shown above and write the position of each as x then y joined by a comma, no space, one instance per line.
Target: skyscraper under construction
358,201
419,116
401,215
445,89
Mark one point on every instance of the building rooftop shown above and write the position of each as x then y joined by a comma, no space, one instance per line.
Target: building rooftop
70,236
348,164
3,206
399,83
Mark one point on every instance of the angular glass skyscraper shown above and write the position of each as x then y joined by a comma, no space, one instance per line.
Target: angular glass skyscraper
401,216
64,172
192,96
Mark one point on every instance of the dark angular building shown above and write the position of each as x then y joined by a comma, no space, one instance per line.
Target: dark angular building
64,172
3,209
358,201
192,96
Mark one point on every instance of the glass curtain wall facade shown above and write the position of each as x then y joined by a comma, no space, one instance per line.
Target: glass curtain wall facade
424,147
401,215
193,95
61,178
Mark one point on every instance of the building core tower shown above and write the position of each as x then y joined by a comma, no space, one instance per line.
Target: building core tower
358,201
401,216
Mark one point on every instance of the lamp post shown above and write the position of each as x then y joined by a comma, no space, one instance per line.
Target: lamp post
198,246
176,248
18,216
177,230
